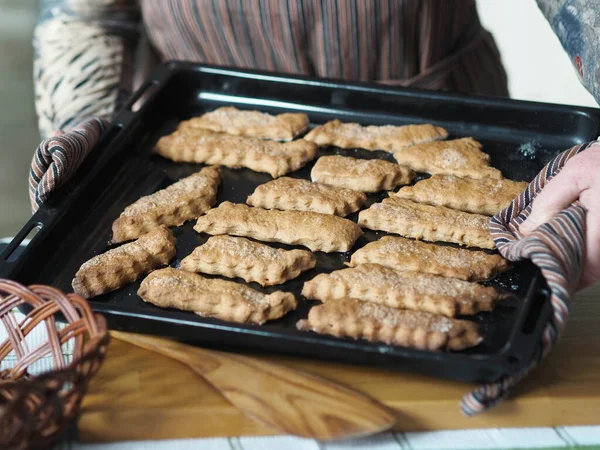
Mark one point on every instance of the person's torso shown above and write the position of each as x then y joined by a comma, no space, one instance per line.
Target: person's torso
382,40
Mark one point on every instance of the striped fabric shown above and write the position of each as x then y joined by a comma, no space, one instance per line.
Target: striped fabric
422,43
557,249
83,55
58,157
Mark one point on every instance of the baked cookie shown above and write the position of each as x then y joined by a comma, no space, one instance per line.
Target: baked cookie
365,175
318,232
211,297
432,223
125,264
252,261
460,157
387,137
230,120
408,254
404,290
302,195
481,196
197,145
378,323
184,200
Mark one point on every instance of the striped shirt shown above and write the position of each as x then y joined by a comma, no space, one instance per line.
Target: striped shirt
86,47
84,63
423,43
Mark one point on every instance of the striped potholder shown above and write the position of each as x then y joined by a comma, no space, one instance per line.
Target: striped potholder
57,158
557,248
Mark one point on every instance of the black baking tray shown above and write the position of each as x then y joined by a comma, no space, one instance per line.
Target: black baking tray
74,224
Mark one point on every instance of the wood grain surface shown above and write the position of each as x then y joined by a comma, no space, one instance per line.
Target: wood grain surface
286,400
139,394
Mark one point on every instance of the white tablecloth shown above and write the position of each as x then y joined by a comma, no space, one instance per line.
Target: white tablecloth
493,438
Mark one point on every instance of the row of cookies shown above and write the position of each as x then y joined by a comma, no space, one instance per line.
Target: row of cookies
172,288
433,209
454,204
233,138
185,290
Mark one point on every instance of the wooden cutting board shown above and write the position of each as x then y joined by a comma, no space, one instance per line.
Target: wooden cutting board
142,395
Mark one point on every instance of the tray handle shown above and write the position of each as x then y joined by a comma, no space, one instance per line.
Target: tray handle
25,236
531,324
142,95
147,90
43,221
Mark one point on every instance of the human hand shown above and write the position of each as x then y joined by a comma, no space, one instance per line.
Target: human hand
578,180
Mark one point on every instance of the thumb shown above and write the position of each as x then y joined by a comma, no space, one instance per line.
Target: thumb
559,192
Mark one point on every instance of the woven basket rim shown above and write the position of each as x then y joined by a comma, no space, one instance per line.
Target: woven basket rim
36,409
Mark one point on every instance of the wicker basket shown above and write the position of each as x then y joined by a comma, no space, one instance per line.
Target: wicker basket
36,410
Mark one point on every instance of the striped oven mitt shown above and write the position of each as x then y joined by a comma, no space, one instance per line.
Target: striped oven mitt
57,158
557,248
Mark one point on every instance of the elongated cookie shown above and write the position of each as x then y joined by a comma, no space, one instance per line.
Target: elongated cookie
405,290
239,257
388,137
365,175
302,195
460,157
225,300
196,145
184,200
230,120
407,254
125,264
432,223
318,232
484,196
378,323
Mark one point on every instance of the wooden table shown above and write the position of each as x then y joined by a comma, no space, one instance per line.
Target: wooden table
141,395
